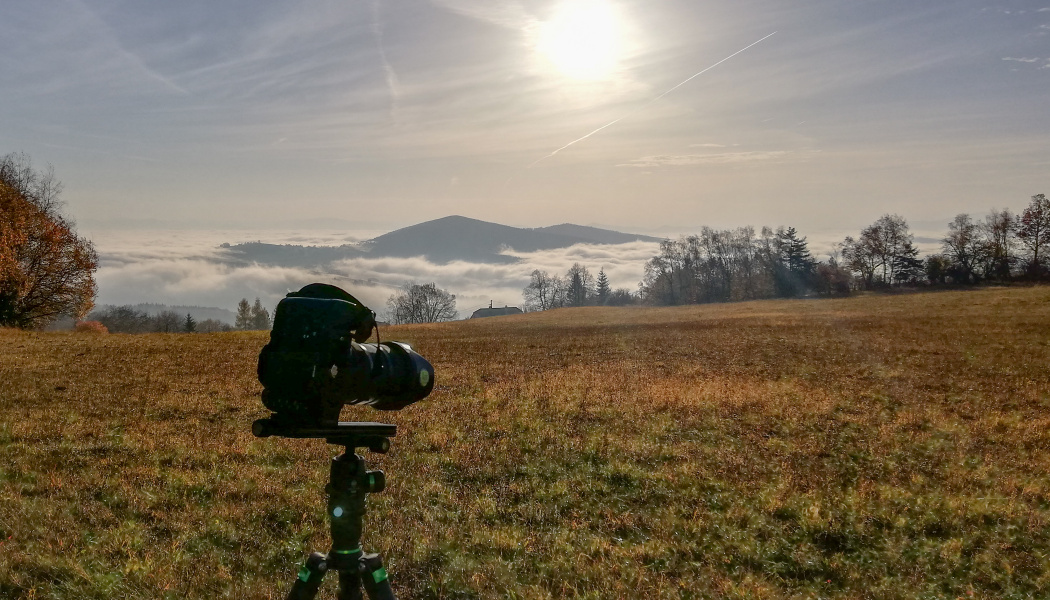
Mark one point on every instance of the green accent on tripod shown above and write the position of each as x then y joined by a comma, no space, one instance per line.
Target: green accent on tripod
354,551
304,574
379,574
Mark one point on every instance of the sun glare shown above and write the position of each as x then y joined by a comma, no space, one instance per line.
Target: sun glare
583,39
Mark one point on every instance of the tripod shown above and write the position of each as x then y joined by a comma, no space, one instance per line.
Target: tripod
348,485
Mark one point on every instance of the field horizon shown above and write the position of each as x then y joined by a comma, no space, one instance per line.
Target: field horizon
878,446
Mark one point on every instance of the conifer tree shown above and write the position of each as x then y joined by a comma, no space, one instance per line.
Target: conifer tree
260,316
602,290
243,321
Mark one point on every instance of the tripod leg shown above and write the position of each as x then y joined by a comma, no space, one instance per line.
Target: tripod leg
310,576
374,579
349,585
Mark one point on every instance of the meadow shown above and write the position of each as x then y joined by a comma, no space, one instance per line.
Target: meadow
880,446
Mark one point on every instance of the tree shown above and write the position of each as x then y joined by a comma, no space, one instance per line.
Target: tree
212,326
831,279
544,291
422,304
579,285
260,317
964,249
1033,231
937,268
190,324
46,270
123,319
998,232
166,321
620,297
602,289
791,263
243,321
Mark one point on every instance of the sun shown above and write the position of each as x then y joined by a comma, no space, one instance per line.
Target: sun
583,39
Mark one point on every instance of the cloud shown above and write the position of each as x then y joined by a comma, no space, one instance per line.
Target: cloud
1022,60
706,145
192,269
725,158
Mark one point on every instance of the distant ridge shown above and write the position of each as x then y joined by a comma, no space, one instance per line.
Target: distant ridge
596,235
442,240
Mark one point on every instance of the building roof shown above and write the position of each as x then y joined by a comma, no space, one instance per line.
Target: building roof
495,312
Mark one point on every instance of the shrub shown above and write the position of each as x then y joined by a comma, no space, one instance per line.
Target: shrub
90,327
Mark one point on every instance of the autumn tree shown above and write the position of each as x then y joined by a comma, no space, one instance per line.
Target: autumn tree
46,270
426,303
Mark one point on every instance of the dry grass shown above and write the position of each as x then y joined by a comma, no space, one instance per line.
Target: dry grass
873,447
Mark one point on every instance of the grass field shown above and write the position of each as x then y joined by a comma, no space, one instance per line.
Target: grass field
871,447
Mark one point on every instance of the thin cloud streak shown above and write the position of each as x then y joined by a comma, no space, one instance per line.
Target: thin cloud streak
650,102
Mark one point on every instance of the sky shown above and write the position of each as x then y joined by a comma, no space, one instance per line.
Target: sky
656,117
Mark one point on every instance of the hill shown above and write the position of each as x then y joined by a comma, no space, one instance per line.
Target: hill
441,240
870,447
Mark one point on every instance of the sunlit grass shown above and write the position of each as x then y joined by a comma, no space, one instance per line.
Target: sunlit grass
873,447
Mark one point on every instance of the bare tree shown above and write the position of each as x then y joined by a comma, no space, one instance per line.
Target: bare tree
579,285
998,231
424,303
544,291
884,253
1033,231
964,249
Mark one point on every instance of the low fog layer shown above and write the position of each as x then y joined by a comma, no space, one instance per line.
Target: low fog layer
190,268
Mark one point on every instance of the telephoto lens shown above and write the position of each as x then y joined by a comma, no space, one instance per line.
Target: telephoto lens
315,362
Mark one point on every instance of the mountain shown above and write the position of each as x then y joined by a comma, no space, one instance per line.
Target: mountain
440,241
461,238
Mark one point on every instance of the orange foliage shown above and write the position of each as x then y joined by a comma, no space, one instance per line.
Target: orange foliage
45,268
90,327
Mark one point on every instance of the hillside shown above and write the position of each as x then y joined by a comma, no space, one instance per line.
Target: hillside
595,235
870,447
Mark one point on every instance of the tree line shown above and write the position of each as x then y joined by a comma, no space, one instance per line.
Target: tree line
578,287
128,319
742,264
1000,248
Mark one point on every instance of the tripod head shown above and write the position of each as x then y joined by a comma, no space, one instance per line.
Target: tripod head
374,436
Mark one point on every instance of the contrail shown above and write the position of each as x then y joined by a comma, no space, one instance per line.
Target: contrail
646,105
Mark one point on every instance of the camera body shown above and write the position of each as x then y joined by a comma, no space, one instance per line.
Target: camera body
317,361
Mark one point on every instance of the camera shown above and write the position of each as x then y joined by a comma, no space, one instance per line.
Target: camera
317,361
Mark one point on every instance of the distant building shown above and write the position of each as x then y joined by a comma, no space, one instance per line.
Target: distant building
495,312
